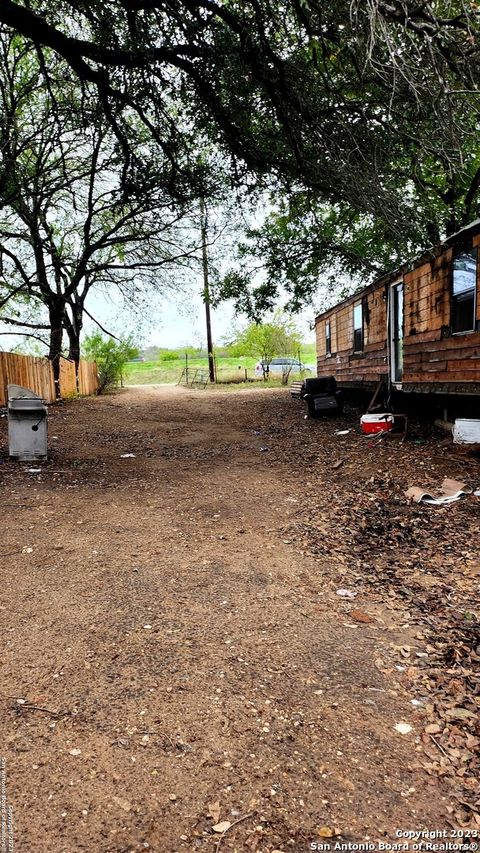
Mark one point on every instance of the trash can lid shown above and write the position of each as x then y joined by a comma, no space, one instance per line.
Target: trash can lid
16,392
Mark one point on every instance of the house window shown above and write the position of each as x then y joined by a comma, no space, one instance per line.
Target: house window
463,292
328,338
357,327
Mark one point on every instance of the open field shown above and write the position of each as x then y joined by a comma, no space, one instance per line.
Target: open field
228,368
153,372
175,651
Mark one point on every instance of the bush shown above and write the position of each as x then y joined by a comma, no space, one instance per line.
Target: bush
110,356
169,355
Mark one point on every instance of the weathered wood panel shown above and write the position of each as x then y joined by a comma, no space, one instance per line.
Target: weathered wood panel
37,374
429,348
88,378
443,380
431,353
345,364
68,383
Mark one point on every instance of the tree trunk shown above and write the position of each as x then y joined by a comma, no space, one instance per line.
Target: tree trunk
55,314
74,329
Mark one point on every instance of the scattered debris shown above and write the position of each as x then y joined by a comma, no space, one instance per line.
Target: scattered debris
451,490
228,826
127,456
360,616
415,570
222,826
403,728
433,729
346,593
327,832
214,811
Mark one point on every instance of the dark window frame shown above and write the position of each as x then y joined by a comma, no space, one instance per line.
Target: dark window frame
358,337
328,338
455,316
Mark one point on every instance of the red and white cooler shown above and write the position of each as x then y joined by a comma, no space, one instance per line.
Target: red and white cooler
376,423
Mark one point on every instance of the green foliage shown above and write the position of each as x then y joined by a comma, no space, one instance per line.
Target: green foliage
111,356
169,355
364,115
304,243
267,340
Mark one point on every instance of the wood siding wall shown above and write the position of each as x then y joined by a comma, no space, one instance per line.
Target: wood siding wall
431,353
37,374
344,363
433,357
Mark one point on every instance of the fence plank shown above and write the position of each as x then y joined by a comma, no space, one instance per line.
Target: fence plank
37,374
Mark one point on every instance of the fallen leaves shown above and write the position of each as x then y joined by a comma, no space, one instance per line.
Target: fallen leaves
360,616
222,826
461,714
214,811
406,560
327,832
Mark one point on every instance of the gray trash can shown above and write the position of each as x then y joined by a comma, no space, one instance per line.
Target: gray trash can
27,424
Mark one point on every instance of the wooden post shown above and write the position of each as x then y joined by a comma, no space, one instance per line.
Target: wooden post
206,290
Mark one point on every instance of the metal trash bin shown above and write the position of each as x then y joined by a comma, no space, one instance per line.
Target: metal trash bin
27,424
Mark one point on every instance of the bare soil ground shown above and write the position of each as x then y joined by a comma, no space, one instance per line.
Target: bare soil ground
174,651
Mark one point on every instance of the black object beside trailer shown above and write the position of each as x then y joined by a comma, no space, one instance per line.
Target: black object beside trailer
321,396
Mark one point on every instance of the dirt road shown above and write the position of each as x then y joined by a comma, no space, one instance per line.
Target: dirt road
174,651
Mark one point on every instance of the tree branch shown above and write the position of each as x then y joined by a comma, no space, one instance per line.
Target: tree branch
103,329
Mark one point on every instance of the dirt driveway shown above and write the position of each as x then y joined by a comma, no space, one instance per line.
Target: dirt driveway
175,655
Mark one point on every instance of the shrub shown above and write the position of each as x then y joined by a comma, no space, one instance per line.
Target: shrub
169,355
110,356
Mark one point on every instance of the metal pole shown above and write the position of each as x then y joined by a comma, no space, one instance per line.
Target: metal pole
186,368
206,290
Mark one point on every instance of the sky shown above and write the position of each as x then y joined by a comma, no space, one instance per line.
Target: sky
176,320
172,321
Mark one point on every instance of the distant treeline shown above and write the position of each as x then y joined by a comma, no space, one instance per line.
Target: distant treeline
153,353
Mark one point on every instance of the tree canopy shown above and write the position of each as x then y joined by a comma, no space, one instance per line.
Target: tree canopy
265,340
351,99
365,114
66,225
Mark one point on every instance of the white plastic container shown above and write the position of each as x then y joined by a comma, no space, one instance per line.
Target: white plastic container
466,431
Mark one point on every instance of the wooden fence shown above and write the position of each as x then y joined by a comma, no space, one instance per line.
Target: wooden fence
37,374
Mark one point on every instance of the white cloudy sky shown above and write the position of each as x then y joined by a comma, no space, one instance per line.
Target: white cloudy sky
176,320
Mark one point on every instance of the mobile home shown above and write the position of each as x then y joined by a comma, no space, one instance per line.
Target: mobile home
417,328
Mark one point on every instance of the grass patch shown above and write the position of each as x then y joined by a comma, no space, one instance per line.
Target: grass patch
255,385
229,369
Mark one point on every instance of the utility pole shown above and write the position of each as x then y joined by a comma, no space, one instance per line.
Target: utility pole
206,290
